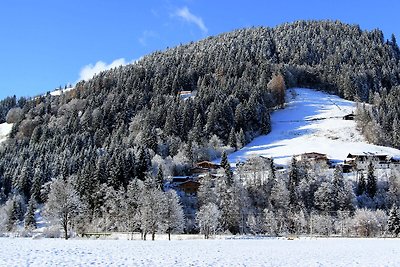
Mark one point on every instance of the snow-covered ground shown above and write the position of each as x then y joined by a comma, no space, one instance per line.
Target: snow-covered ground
5,129
311,122
260,252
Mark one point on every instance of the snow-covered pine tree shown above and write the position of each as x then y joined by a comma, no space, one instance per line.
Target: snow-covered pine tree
37,182
294,179
227,168
30,222
361,185
372,186
129,211
11,210
241,139
232,139
342,192
325,197
270,223
160,179
206,192
280,196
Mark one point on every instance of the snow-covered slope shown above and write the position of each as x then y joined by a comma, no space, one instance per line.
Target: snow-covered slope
312,121
5,129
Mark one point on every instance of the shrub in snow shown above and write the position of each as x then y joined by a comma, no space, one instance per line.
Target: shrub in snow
24,233
322,224
366,223
52,232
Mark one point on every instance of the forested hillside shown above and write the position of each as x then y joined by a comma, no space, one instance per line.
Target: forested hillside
129,123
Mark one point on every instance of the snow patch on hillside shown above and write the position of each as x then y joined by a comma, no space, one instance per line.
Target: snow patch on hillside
312,121
61,91
5,129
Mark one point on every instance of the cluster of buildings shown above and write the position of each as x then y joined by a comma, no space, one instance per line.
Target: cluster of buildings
190,184
353,162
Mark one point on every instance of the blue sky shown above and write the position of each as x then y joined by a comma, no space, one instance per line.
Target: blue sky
48,43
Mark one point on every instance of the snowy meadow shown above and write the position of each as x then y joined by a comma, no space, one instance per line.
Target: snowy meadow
219,252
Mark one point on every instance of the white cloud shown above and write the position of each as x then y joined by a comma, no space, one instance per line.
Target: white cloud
189,17
88,71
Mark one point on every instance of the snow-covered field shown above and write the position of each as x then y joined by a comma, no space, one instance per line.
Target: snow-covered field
259,252
311,122
5,129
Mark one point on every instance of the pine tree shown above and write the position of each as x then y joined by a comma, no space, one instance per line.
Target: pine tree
100,173
23,182
324,197
294,172
293,183
337,186
280,195
37,183
232,139
361,186
227,168
30,222
143,163
371,187
393,223
272,174
12,213
160,179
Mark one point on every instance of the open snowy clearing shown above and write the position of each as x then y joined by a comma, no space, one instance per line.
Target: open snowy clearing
5,129
312,121
259,252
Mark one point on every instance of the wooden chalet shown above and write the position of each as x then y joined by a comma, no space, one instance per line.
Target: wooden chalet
204,167
312,156
347,168
189,187
362,160
180,179
186,184
208,165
